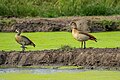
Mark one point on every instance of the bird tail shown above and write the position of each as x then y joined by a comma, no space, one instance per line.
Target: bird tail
33,44
94,39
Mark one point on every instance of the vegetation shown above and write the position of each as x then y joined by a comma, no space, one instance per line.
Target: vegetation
56,8
7,22
51,67
71,67
45,67
87,75
111,25
54,40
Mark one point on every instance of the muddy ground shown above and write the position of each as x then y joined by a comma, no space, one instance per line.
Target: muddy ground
85,23
109,57
79,57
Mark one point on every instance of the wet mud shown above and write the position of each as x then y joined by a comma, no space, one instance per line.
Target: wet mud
98,57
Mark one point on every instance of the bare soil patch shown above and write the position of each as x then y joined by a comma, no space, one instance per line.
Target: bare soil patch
109,57
85,23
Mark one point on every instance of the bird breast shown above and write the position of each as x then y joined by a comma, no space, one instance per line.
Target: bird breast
19,40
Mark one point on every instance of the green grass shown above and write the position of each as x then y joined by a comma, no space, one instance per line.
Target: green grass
46,67
54,40
70,67
57,8
87,75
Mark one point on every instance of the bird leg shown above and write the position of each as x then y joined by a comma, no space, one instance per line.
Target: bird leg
23,48
84,44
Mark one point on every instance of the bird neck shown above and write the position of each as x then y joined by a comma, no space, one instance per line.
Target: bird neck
18,34
74,30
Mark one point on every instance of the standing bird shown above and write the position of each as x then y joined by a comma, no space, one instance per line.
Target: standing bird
23,40
81,36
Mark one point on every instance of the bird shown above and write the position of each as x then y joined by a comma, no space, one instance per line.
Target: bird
23,40
80,35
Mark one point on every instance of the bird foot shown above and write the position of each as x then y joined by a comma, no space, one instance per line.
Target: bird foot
23,47
84,48
22,51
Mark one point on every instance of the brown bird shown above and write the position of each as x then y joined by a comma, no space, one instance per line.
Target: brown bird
23,40
81,36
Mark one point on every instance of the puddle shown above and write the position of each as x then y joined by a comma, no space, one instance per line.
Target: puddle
38,70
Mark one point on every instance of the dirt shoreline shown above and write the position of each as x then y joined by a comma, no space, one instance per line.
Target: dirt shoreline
85,23
98,57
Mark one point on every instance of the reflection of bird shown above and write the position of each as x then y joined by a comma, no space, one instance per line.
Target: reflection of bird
23,40
81,36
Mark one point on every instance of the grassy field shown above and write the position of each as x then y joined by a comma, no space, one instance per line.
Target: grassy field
57,8
54,40
87,75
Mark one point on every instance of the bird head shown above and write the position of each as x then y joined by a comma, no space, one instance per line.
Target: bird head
73,25
18,30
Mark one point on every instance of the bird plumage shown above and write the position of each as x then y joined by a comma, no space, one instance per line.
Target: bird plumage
91,37
23,40
80,35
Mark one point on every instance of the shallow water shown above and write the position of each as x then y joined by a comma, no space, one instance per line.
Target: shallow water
38,70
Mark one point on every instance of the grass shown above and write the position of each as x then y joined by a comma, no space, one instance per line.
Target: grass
46,67
87,75
57,8
54,40
70,67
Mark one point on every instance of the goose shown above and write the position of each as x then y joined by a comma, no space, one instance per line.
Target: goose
23,40
80,35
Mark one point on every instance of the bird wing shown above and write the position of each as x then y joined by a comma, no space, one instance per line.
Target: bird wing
91,37
26,40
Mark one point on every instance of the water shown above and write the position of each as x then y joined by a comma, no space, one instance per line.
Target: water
38,70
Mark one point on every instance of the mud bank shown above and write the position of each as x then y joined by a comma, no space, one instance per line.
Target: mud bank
79,57
85,23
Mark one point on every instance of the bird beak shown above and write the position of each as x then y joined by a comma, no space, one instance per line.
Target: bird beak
16,31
